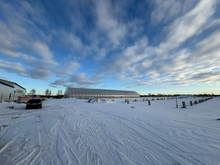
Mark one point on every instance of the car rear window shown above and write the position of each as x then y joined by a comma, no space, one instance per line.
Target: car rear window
35,101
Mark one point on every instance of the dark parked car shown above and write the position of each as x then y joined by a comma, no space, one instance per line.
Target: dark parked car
34,103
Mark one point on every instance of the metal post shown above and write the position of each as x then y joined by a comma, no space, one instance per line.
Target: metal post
176,103
184,105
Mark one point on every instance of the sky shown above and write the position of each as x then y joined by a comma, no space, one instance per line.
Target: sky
151,46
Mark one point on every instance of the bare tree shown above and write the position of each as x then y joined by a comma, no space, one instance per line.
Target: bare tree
32,92
47,92
59,93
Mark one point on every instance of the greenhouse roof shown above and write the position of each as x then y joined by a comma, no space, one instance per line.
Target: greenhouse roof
85,92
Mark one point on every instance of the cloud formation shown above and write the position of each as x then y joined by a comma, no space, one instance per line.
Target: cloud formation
171,43
82,79
13,67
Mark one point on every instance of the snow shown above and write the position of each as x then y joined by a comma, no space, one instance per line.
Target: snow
72,131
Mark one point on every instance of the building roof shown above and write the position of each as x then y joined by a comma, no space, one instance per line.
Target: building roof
10,84
87,91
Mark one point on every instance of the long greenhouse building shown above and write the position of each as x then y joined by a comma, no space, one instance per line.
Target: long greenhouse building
98,93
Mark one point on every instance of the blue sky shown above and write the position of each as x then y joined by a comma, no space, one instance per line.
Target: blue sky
151,46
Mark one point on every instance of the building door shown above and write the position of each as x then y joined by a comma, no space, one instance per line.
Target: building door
1,97
10,97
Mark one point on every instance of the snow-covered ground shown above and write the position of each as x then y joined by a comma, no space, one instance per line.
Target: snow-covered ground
72,131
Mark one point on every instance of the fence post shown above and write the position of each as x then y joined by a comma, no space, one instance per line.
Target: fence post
184,105
176,103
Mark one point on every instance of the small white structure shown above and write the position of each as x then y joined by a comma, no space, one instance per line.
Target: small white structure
10,91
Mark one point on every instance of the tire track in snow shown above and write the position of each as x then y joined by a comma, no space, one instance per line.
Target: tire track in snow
84,150
125,145
46,139
86,136
172,149
103,138
104,134
128,126
68,150
11,123
13,139
17,144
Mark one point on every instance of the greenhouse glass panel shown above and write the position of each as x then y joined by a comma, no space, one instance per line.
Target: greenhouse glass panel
99,93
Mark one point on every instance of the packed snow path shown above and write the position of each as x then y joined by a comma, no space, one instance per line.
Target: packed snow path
71,131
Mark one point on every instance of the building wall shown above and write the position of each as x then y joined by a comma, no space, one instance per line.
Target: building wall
8,93
19,92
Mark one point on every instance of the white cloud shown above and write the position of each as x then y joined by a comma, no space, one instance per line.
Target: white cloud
44,51
72,67
124,61
79,78
39,73
67,69
187,26
82,79
3,77
19,32
60,82
30,59
10,40
97,77
9,53
205,54
13,67
115,40
168,63
166,11
71,40
107,22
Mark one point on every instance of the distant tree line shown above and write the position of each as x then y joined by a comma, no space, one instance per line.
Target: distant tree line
205,95
48,93
32,92
174,95
59,93
160,95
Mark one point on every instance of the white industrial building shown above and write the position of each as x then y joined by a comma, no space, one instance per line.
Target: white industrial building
98,93
10,91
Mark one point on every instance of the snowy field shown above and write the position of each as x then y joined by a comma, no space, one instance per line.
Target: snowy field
72,131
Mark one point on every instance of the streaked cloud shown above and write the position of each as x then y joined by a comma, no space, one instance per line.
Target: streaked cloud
82,79
13,67
92,43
